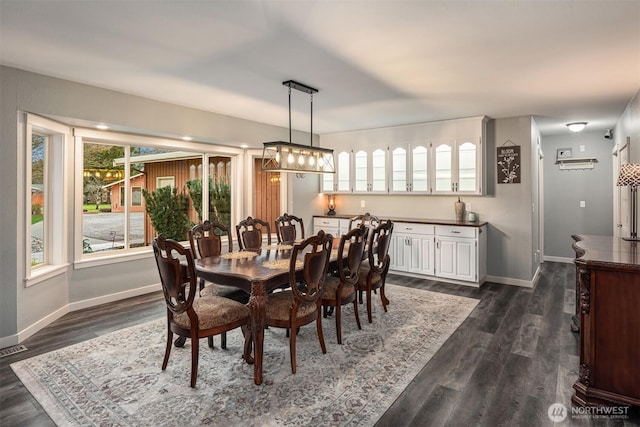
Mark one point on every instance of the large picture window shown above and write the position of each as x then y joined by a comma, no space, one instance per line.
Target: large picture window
133,192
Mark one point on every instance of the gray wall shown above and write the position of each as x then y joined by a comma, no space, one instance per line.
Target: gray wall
629,126
563,191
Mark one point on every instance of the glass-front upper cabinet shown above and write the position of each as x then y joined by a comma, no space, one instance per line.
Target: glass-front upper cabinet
409,168
419,170
399,166
457,166
369,167
340,181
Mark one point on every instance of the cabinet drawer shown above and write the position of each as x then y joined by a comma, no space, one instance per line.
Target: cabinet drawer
411,228
453,231
326,222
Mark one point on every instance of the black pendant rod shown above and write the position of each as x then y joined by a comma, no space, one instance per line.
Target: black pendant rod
289,114
302,88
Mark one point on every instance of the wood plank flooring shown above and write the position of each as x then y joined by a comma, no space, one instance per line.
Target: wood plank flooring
513,357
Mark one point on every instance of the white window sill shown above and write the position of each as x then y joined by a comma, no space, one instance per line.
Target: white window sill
41,274
96,260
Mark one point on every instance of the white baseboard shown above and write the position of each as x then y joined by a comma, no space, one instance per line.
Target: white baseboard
559,259
92,302
495,279
78,305
511,281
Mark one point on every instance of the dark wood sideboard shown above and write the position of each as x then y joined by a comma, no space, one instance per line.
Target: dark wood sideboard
608,306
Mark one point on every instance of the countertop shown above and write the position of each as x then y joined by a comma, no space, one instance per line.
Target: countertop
416,220
606,250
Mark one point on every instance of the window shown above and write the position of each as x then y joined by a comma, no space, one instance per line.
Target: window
100,212
136,196
46,172
38,190
165,181
123,176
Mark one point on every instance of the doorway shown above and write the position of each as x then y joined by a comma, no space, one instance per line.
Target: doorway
266,196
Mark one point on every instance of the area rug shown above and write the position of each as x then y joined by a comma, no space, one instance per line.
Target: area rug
116,380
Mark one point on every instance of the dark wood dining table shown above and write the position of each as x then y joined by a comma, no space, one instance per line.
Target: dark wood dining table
252,275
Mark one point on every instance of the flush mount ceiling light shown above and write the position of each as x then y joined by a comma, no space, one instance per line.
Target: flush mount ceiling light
280,156
576,126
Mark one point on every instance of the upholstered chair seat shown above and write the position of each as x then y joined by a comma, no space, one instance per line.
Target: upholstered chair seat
331,285
213,312
280,303
231,292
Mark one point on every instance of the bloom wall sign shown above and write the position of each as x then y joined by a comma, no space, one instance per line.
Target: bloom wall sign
509,164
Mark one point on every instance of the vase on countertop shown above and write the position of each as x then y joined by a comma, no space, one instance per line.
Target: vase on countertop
459,206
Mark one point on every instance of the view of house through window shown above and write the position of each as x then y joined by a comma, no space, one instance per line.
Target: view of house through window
133,193
38,182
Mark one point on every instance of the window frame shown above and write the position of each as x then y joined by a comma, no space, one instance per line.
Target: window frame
57,181
83,135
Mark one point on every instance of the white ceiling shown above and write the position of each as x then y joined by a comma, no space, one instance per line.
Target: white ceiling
375,63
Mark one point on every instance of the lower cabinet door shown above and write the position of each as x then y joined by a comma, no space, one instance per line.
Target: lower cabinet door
445,258
466,260
456,258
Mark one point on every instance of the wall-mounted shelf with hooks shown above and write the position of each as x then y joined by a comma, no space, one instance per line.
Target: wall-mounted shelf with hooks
577,163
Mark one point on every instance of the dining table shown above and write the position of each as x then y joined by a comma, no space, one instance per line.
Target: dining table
257,272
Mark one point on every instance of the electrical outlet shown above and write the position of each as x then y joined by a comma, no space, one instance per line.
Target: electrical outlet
468,207
363,204
583,204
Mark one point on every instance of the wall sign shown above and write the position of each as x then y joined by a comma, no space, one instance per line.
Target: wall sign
509,164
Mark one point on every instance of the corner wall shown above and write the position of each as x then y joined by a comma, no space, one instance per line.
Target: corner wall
565,189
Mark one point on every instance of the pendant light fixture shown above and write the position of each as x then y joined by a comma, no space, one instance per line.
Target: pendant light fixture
280,156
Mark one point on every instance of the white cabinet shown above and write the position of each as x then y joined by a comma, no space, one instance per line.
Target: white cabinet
409,165
460,253
412,248
445,157
457,166
340,181
358,170
334,226
369,167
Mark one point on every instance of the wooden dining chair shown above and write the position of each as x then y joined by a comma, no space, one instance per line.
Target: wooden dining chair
341,289
206,240
249,232
190,316
286,228
371,221
373,274
302,304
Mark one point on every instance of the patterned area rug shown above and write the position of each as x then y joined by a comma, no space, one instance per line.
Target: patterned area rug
116,379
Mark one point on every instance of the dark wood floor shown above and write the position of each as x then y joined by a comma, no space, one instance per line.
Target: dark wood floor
512,358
